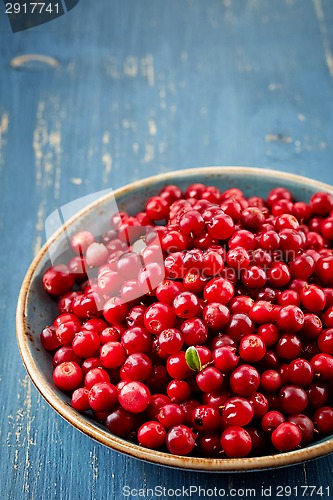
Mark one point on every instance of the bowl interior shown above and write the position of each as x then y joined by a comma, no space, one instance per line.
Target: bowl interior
36,309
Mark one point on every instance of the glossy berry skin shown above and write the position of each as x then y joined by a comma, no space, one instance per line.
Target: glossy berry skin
254,277
80,399
206,419
134,397
290,318
293,399
180,440
94,376
313,298
221,227
323,419
152,435
209,379
289,346
159,317
237,411
120,422
271,381
252,348
218,290
170,340
137,367
102,396
216,316
112,355
67,376
236,442
195,331
305,425
300,372
115,310
136,339
286,437
49,339
86,343
186,305
58,280
171,415
178,391
225,358
271,420
244,380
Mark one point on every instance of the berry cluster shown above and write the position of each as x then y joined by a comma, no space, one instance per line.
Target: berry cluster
203,324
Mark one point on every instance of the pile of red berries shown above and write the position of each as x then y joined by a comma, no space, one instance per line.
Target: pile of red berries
202,325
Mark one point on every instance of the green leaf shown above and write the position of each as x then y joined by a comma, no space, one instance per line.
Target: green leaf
192,359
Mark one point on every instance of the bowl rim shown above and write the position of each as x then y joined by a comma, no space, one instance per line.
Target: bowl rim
104,437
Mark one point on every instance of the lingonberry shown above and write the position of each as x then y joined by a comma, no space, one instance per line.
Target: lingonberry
186,305
67,376
218,290
244,380
293,399
112,354
134,397
225,358
152,435
210,444
80,399
313,298
180,440
321,203
323,366
58,280
120,422
136,339
239,326
290,318
271,420
177,367
323,420
94,376
102,396
254,277
317,394
236,442
289,297
271,381
49,339
65,353
237,411
242,238
170,415
159,317
86,343
216,316
136,367
289,346
252,348
206,419
259,403
209,379
269,334
300,372
325,341
305,425
195,331
178,391
286,437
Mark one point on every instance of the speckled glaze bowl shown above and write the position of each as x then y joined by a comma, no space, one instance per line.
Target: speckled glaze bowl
35,309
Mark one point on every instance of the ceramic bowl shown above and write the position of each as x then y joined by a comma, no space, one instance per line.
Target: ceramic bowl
36,309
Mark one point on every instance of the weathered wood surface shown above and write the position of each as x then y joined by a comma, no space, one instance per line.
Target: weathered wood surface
115,91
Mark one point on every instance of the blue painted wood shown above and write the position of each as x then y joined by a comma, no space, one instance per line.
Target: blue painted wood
125,90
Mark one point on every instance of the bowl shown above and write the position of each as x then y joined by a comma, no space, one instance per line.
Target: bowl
36,309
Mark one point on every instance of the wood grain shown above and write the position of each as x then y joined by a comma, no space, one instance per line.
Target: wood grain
112,92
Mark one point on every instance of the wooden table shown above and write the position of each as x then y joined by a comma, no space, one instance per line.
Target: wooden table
112,92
